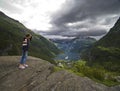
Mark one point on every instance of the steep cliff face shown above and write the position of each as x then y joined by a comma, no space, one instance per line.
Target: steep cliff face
39,76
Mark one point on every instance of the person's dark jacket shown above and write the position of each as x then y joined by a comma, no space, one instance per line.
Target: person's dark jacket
25,44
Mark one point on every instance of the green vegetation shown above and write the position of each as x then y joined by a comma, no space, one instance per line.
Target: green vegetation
12,33
97,73
56,69
107,57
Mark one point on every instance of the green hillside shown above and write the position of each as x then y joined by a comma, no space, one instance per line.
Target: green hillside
11,36
106,51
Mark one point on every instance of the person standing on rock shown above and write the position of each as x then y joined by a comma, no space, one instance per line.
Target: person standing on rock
25,47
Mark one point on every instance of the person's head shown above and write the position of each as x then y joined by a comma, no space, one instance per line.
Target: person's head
28,36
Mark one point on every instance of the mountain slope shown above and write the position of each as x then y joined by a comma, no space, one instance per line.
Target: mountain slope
112,39
39,76
11,36
106,51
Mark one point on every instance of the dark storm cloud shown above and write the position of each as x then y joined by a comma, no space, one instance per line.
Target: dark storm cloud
82,9
89,12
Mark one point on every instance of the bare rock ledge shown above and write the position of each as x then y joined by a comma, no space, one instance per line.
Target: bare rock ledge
39,76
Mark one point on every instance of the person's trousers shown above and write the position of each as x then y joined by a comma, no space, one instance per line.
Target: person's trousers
24,57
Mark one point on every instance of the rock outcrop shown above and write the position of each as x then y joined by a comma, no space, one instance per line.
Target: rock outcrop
39,76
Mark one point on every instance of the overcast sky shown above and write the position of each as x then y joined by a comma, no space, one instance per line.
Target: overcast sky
64,17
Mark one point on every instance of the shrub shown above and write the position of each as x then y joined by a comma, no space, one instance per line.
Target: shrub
80,66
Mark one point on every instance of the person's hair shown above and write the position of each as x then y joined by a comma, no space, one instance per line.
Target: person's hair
29,35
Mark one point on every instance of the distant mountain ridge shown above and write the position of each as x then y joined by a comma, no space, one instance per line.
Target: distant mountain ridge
106,51
11,36
72,48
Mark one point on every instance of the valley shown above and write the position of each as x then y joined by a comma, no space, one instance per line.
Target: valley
72,48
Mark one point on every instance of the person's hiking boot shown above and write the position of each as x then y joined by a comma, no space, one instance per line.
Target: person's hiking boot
21,67
25,65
